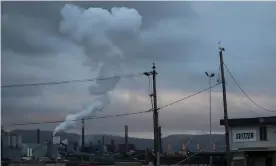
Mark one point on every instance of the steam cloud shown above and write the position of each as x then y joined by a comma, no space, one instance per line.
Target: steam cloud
100,32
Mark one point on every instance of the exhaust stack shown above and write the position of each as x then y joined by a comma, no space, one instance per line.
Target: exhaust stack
126,138
38,136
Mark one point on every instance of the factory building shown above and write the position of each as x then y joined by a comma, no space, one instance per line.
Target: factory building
11,146
253,141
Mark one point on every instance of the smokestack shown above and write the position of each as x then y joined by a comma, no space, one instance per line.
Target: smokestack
169,149
126,138
197,147
75,146
103,146
82,136
49,149
214,147
112,142
38,136
99,142
184,150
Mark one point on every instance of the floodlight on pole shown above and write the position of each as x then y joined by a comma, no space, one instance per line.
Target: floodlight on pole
209,77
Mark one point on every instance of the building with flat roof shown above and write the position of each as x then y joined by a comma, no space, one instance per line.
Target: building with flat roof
253,141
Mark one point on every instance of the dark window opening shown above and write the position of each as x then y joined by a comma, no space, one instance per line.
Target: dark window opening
263,133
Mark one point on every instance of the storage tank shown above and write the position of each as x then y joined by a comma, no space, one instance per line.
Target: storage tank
13,141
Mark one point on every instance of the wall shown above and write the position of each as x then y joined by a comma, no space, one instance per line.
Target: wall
12,153
270,143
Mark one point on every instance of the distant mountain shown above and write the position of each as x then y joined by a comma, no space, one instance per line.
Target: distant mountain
175,141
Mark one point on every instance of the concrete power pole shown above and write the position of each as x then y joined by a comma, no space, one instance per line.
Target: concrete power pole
155,118
160,139
226,124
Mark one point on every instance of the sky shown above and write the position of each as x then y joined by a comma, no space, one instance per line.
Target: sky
181,38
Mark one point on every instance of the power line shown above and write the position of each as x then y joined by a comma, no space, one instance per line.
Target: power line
71,81
88,118
112,116
177,101
245,93
250,110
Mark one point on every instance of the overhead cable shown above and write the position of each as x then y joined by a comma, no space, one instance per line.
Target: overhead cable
111,116
245,93
71,81
177,101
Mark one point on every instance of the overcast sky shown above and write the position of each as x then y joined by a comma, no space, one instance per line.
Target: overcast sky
180,37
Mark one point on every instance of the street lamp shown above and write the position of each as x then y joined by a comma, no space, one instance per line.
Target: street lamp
210,75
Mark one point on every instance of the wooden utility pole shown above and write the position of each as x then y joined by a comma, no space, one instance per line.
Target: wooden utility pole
226,124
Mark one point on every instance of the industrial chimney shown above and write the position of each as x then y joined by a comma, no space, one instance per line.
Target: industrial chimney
99,142
38,136
112,143
214,147
197,147
126,138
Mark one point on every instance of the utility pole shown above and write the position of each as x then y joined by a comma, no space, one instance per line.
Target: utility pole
160,139
226,124
155,117
82,135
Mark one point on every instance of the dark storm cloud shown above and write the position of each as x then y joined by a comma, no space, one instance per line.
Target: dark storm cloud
39,19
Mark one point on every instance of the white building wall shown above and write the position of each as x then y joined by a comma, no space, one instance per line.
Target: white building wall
270,143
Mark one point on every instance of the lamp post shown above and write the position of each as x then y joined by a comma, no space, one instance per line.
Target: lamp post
210,100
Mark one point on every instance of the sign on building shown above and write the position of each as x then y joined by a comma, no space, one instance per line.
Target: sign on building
243,135
56,140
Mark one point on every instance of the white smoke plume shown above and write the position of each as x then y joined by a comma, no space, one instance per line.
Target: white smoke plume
100,32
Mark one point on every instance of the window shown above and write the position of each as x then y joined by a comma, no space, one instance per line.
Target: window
263,133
